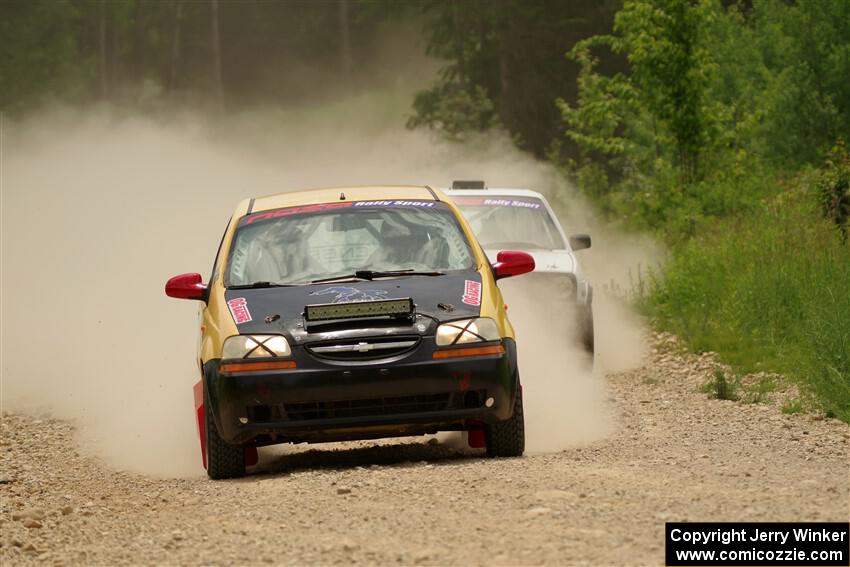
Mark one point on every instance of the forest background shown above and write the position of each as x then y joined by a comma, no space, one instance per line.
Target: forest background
720,127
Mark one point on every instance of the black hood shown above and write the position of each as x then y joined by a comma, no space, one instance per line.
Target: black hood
281,309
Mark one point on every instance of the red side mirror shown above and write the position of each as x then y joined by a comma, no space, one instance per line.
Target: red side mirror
186,286
510,263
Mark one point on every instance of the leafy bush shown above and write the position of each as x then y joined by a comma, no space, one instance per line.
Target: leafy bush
833,188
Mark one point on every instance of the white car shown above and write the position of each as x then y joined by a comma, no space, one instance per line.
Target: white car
520,219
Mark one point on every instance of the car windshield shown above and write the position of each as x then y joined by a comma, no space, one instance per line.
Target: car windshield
511,222
298,245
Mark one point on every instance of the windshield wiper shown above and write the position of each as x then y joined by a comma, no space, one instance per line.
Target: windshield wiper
259,285
338,278
372,274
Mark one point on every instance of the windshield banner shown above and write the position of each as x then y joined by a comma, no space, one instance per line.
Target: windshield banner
489,201
277,213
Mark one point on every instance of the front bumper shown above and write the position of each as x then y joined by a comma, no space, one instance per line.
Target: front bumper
329,401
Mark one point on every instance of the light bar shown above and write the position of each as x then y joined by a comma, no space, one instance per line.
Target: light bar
355,309
468,184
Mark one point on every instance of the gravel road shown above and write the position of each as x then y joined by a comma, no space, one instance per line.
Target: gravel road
674,454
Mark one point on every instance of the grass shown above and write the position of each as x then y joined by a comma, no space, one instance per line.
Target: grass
721,387
758,392
769,291
792,406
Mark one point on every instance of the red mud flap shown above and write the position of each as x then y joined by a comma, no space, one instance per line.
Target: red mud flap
198,390
251,456
475,434
476,438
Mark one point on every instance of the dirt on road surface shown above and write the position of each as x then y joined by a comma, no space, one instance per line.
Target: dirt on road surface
673,454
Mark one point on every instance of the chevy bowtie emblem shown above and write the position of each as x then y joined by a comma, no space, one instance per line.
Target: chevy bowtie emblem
363,347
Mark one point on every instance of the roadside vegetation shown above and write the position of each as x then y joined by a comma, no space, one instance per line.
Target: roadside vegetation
726,141
720,127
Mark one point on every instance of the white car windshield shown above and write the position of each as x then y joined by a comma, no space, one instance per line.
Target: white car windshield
511,222
298,245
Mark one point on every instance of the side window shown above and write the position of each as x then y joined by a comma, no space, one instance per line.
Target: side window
216,264
552,236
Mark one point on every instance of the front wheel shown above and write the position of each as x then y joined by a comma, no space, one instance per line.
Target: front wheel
585,325
223,459
507,438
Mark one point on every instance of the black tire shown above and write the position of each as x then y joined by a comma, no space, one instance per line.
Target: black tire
223,459
507,438
586,330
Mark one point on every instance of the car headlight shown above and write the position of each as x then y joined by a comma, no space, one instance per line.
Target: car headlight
255,346
467,331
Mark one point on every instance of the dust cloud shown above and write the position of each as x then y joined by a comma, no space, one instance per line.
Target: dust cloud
564,391
99,209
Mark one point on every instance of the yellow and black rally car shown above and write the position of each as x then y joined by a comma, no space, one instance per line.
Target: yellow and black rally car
352,313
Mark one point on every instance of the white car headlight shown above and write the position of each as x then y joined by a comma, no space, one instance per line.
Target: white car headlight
255,346
467,331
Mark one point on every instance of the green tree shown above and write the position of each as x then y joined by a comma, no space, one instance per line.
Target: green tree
39,59
504,65
153,52
781,79
805,50
662,97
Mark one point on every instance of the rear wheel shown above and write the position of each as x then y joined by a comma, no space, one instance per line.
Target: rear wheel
223,459
507,438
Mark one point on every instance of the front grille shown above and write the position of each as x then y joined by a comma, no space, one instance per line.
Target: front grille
364,349
368,407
